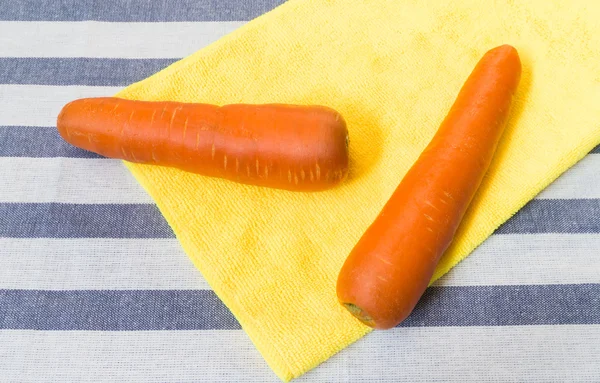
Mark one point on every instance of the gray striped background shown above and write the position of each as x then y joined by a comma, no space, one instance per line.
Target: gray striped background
94,287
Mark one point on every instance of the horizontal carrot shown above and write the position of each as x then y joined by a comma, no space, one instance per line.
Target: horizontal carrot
298,148
390,267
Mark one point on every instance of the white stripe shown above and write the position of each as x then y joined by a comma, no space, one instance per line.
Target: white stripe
81,264
39,105
522,259
580,181
68,180
469,354
145,356
450,354
105,39
96,264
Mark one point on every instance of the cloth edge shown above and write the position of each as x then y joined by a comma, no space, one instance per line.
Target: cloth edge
565,163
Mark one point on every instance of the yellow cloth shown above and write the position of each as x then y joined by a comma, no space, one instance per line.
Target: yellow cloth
392,68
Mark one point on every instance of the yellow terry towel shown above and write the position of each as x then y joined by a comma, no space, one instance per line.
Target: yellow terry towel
392,68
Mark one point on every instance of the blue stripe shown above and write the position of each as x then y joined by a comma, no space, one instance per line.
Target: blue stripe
78,71
596,150
37,142
507,306
57,220
114,310
134,10
555,216
138,310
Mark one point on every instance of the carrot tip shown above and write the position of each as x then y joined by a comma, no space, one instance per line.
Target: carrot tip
359,314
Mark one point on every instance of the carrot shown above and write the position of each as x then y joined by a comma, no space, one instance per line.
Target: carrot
390,267
298,148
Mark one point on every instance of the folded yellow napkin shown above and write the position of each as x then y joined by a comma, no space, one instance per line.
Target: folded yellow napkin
392,68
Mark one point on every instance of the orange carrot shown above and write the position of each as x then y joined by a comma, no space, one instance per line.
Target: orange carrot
392,264
298,148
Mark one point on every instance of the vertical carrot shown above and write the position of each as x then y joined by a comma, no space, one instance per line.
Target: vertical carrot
391,265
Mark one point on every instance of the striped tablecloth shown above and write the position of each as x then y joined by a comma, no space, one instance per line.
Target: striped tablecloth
94,287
